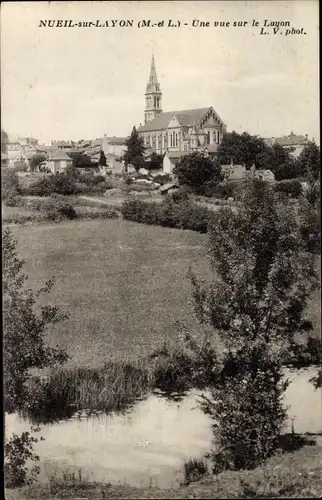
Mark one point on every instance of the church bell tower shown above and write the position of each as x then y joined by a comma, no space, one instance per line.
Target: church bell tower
153,95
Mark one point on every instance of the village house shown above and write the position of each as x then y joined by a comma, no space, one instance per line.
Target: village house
176,133
295,142
57,162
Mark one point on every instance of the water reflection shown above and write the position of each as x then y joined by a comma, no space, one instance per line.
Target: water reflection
149,442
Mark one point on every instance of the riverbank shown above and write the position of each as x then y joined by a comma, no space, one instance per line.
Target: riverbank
292,474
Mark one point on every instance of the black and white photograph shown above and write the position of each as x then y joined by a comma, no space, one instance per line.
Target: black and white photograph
161,249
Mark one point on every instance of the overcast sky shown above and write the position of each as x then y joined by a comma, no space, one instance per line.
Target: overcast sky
82,83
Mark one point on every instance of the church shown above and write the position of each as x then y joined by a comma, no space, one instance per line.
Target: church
177,133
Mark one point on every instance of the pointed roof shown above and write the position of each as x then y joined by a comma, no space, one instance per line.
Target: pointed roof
153,72
153,84
59,155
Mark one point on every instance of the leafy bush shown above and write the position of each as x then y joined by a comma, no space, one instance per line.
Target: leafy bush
140,211
182,194
181,215
12,199
196,170
247,415
57,210
24,327
18,451
292,187
162,178
194,470
9,185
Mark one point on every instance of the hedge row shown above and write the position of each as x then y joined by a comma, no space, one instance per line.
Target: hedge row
180,215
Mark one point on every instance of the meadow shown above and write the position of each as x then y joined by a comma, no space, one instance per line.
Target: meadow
124,285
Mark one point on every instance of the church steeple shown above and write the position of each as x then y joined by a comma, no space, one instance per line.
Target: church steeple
153,95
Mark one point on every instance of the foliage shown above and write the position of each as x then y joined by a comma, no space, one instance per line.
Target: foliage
155,162
293,188
280,161
241,149
23,329
310,217
310,161
20,165
81,160
262,278
36,160
58,210
135,153
4,141
177,214
18,451
162,179
55,183
196,170
10,188
102,159
194,470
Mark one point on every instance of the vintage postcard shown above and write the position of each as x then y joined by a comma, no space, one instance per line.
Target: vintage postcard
160,182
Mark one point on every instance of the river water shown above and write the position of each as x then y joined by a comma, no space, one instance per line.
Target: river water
149,443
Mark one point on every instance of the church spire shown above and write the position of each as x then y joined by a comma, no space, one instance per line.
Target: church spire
153,71
153,95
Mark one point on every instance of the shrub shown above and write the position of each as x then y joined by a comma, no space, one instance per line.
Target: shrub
12,199
194,470
18,451
182,215
182,194
9,185
140,211
162,179
57,210
196,170
247,415
292,187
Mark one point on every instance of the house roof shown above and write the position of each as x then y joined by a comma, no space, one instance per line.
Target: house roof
291,140
116,141
288,140
186,118
59,155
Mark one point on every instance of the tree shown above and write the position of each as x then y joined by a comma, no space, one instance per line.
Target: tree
309,160
135,153
4,141
280,161
155,162
81,160
23,328
244,149
102,159
197,170
36,160
262,278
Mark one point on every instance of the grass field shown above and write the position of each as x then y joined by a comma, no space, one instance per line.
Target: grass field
123,284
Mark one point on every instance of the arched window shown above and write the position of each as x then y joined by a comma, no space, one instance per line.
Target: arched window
170,139
208,137
218,136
